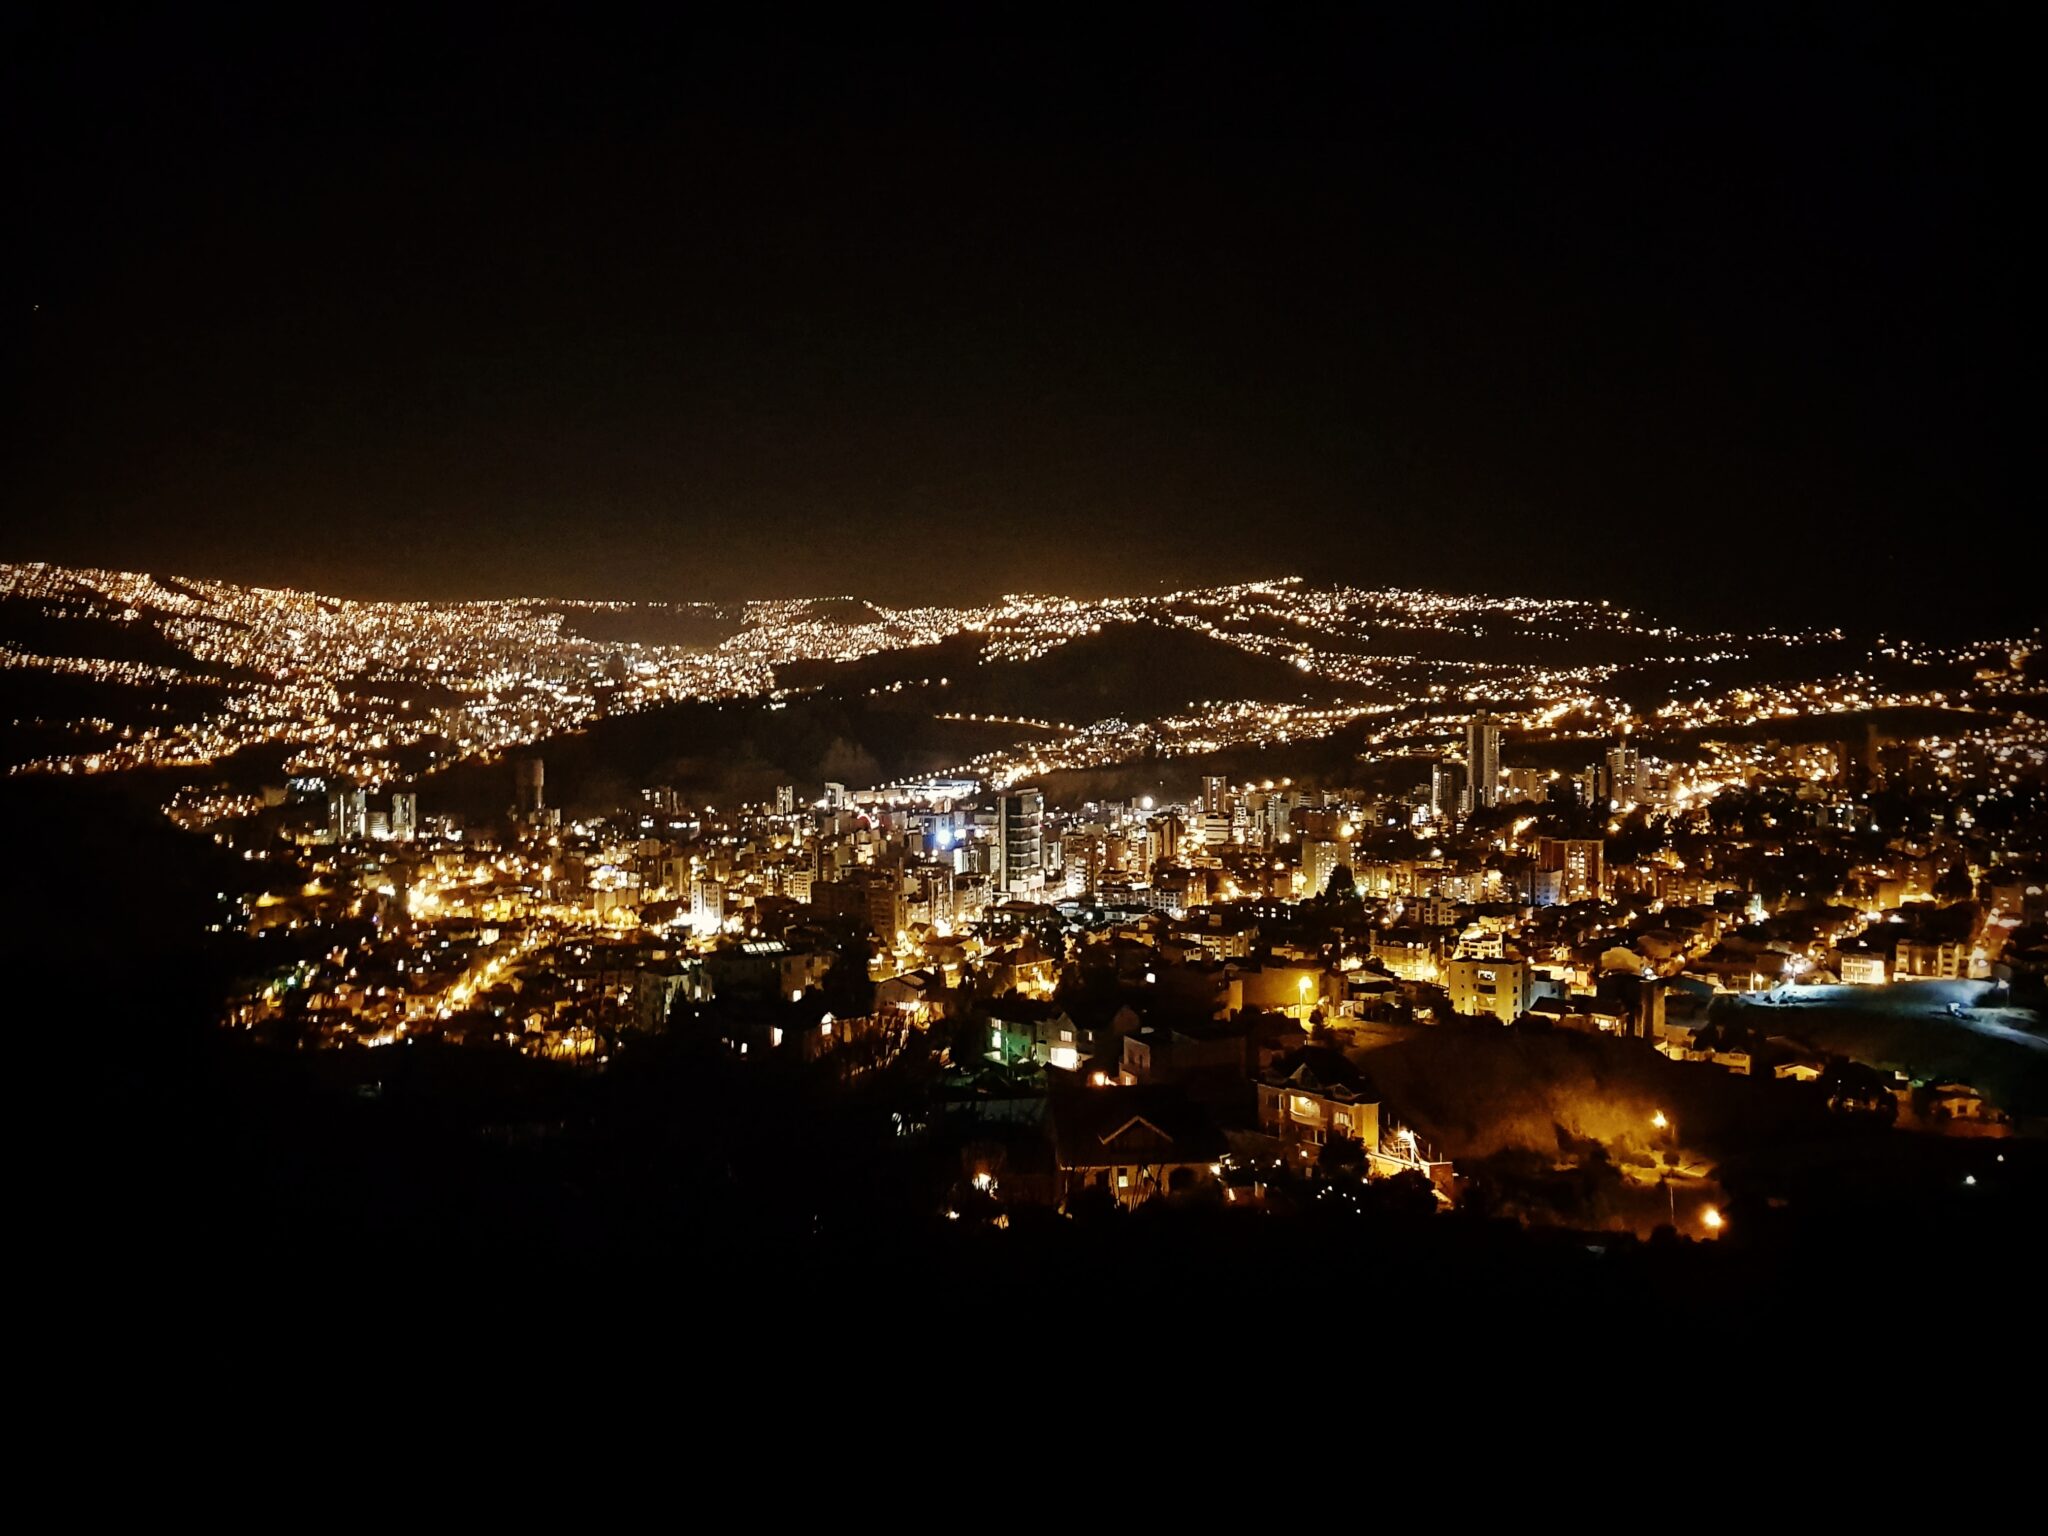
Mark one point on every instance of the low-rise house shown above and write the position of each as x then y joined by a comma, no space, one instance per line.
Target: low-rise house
765,966
1931,960
1132,1144
1583,1011
1021,1030
1862,967
1314,1096
921,996
1157,1053
1409,954
1023,967
1959,1101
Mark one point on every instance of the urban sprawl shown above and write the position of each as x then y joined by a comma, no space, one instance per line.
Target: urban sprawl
1170,991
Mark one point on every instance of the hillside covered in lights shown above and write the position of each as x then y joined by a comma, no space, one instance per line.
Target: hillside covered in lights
215,686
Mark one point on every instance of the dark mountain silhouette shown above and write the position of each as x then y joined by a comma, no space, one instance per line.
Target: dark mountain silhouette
716,753
702,625
51,627
1136,671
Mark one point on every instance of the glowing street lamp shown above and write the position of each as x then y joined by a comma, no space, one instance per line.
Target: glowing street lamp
1712,1217
1662,1122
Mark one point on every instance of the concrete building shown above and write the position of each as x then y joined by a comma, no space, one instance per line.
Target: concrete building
1320,857
707,906
1020,843
1579,863
1315,1097
1482,762
1621,775
1448,788
529,779
1485,987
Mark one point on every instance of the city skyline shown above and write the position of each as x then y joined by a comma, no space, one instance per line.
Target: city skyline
1148,686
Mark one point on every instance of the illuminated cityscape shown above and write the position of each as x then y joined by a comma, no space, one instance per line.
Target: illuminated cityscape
1029,685
1106,900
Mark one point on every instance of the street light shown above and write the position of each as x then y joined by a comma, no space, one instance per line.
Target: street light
1712,1217
1663,1123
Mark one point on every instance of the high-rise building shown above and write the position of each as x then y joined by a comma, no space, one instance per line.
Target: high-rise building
1320,857
785,799
1578,862
1215,793
528,779
707,906
1280,816
1020,842
1482,762
348,814
1622,773
1589,787
405,815
1447,788
886,909
1083,854
1163,837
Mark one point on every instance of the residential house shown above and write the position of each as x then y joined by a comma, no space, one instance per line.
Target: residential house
1133,1144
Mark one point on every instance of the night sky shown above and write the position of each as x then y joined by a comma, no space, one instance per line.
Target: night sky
1715,315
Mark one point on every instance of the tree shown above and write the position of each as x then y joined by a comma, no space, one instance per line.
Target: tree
846,989
1342,1155
1404,1197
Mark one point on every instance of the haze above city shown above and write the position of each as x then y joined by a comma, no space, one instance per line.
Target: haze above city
1709,315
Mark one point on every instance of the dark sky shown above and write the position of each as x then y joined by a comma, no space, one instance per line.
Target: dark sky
1716,314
